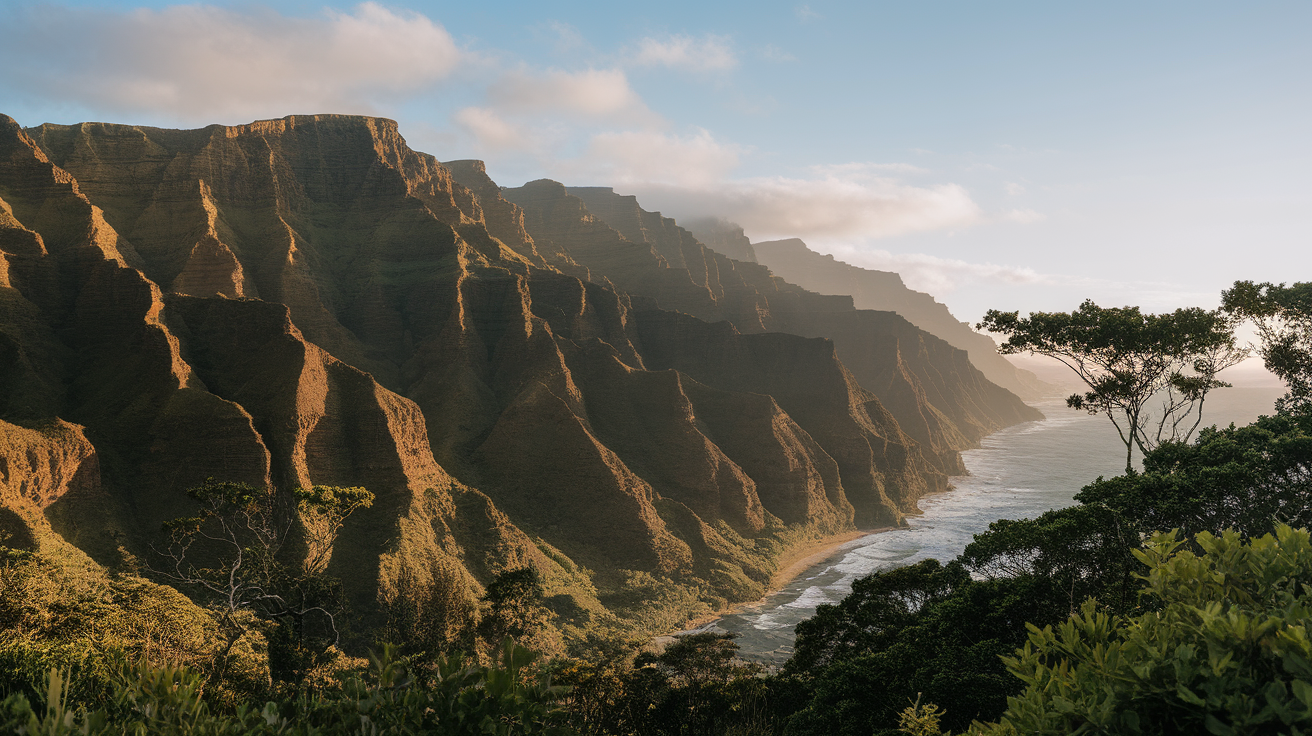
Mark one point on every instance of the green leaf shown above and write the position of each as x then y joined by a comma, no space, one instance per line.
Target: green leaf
1188,696
1216,727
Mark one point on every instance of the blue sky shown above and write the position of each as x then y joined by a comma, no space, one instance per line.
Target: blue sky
998,154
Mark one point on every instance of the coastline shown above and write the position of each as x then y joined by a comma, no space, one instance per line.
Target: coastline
792,564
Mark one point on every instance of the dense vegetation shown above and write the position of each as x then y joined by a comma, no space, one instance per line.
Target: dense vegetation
1222,647
1169,600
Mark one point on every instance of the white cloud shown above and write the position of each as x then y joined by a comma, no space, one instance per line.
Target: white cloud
1013,188
933,274
774,53
594,93
692,162
1022,216
708,53
199,63
805,13
492,131
833,206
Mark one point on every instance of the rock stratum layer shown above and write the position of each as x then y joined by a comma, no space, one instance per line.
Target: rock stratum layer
521,376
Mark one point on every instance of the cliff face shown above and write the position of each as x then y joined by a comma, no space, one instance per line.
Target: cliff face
172,388
723,237
883,290
308,301
937,396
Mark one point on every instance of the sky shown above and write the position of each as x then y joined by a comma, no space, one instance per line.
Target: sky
1011,155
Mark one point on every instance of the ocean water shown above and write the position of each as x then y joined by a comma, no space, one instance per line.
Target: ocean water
1019,472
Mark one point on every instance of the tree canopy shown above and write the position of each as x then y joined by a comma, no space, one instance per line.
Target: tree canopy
1283,315
1128,360
939,630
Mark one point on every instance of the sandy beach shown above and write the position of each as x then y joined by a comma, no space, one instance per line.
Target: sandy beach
793,563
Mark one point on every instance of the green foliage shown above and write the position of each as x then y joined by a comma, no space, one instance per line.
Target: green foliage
603,697
323,510
17,716
873,614
921,720
1226,650
698,659
948,649
68,616
513,604
231,555
447,697
1283,315
1082,551
694,686
1243,478
431,617
1127,359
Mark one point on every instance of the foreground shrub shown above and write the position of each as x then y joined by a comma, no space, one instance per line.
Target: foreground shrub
70,615
1225,652
392,698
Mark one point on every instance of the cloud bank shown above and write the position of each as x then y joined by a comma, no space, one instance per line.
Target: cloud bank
936,275
831,206
600,94
204,64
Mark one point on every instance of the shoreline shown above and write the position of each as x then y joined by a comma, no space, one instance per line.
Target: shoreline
791,565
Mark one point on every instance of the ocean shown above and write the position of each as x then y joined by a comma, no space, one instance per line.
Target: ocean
1019,472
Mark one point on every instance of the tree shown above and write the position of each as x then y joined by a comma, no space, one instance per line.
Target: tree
1283,315
1243,478
513,606
232,553
430,617
1224,651
938,631
696,686
1129,359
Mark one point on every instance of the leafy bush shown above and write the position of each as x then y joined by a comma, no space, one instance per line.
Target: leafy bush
449,698
1243,478
71,616
1227,651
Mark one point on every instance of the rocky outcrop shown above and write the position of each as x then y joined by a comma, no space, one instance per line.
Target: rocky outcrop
723,237
882,470
173,389
38,467
884,290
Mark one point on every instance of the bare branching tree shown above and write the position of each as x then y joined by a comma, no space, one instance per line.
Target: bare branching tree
232,553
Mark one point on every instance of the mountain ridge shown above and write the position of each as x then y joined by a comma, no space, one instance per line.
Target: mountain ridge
309,301
792,259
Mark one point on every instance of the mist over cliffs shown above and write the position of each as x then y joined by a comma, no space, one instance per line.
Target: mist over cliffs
537,375
791,259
